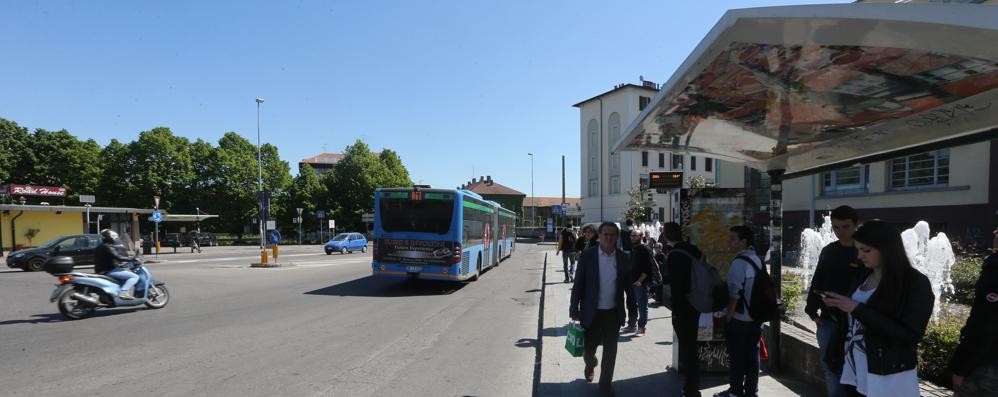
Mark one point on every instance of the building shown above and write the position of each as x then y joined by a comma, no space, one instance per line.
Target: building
542,208
606,177
322,163
51,221
954,189
489,189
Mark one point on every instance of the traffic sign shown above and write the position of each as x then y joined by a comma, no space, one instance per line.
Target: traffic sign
369,217
156,217
332,224
87,198
557,209
320,214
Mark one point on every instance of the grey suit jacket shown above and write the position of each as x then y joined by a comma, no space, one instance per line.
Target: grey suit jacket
585,291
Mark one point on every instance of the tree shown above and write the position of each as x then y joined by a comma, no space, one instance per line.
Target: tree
236,183
397,175
60,159
159,163
30,234
114,186
357,175
16,156
306,192
638,208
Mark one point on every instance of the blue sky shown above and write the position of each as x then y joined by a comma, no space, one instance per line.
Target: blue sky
457,88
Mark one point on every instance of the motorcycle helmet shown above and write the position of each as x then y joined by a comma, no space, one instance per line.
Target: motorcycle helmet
108,235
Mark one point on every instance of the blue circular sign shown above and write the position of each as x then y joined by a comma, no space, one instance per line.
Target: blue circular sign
274,237
157,216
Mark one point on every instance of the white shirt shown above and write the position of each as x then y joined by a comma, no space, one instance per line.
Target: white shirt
607,279
855,372
742,275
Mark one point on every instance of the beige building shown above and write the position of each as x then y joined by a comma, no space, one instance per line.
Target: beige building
954,189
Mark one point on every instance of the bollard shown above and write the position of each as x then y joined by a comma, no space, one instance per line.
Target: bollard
276,251
157,247
263,257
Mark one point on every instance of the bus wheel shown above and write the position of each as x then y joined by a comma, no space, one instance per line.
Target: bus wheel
478,269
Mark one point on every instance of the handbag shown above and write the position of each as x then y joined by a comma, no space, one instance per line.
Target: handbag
575,341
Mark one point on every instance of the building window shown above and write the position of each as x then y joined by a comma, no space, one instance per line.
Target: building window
644,159
643,102
661,160
592,130
593,187
923,170
614,124
677,162
708,164
693,163
845,181
643,181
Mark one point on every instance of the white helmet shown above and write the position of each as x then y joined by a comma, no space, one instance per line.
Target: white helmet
108,235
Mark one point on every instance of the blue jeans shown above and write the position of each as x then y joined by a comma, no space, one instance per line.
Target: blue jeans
641,296
568,264
129,279
826,328
743,351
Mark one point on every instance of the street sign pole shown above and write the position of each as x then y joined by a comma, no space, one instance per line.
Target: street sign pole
299,224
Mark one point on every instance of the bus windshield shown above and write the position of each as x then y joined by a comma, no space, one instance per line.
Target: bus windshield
405,215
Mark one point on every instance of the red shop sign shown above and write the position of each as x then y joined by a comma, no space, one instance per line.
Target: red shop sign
31,190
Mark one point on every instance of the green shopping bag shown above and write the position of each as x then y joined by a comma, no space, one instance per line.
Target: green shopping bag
576,341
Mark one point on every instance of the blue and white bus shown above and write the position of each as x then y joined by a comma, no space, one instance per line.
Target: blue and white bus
438,234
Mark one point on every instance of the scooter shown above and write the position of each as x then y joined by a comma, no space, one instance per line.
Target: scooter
79,295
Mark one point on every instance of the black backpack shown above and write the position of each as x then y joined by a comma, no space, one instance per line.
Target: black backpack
765,304
569,243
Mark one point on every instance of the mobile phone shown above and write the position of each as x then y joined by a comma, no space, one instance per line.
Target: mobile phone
818,292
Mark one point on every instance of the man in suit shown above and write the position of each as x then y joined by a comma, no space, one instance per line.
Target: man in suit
602,276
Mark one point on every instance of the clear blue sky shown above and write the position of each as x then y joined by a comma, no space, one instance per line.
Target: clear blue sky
457,88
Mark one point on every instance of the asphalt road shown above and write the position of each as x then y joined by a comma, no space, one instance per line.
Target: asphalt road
320,326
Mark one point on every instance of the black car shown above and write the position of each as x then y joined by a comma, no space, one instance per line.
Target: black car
78,246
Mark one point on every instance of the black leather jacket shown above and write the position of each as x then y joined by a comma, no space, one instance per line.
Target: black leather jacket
892,338
106,258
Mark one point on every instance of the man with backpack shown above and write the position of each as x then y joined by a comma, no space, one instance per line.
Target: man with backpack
566,245
685,318
743,331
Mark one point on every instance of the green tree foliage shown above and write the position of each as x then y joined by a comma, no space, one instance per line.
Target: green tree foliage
351,186
16,156
159,162
638,208
308,193
114,188
60,159
236,188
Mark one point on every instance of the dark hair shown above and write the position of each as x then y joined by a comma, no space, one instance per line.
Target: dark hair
845,212
601,225
672,231
744,233
569,224
629,222
893,261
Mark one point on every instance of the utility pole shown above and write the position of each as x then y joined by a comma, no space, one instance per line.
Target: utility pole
563,217
259,167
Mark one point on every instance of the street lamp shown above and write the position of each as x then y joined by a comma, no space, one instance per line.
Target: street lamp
259,167
533,200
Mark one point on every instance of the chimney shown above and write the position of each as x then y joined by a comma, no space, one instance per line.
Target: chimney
489,180
473,180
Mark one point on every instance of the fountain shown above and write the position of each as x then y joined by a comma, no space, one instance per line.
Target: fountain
931,256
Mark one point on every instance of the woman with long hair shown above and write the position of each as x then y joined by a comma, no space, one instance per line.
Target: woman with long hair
888,313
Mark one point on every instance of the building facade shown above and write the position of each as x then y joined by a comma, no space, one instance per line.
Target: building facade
954,189
606,177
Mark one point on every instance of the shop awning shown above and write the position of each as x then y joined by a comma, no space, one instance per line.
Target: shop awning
808,88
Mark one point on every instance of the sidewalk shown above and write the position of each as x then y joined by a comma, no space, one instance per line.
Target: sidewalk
641,361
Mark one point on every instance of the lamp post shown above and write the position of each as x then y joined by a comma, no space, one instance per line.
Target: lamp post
259,167
533,201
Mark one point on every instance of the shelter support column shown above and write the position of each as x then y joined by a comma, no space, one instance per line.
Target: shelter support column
775,257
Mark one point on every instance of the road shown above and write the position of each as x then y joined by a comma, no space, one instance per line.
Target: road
320,326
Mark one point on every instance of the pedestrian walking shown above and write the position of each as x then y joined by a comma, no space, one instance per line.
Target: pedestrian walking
685,318
836,271
742,331
625,236
975,361
888,314
642,262
597,301
591,238
566,246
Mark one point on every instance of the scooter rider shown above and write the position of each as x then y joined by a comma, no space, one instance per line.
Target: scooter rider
106,260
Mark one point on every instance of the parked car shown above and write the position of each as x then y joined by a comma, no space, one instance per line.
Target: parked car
171,240
346,242
78,246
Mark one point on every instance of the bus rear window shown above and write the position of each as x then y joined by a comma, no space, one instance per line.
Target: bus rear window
404,215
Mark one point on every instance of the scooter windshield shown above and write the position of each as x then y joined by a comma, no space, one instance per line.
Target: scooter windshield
124,243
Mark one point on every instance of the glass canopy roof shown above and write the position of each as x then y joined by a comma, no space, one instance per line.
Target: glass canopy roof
805,88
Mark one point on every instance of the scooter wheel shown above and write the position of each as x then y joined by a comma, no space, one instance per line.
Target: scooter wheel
71,308
158,296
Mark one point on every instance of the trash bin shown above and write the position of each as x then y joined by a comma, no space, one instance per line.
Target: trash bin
147,246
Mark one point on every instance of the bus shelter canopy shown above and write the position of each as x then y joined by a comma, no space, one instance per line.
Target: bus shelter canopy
809,88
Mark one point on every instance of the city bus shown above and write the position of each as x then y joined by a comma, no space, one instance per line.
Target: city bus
438,234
